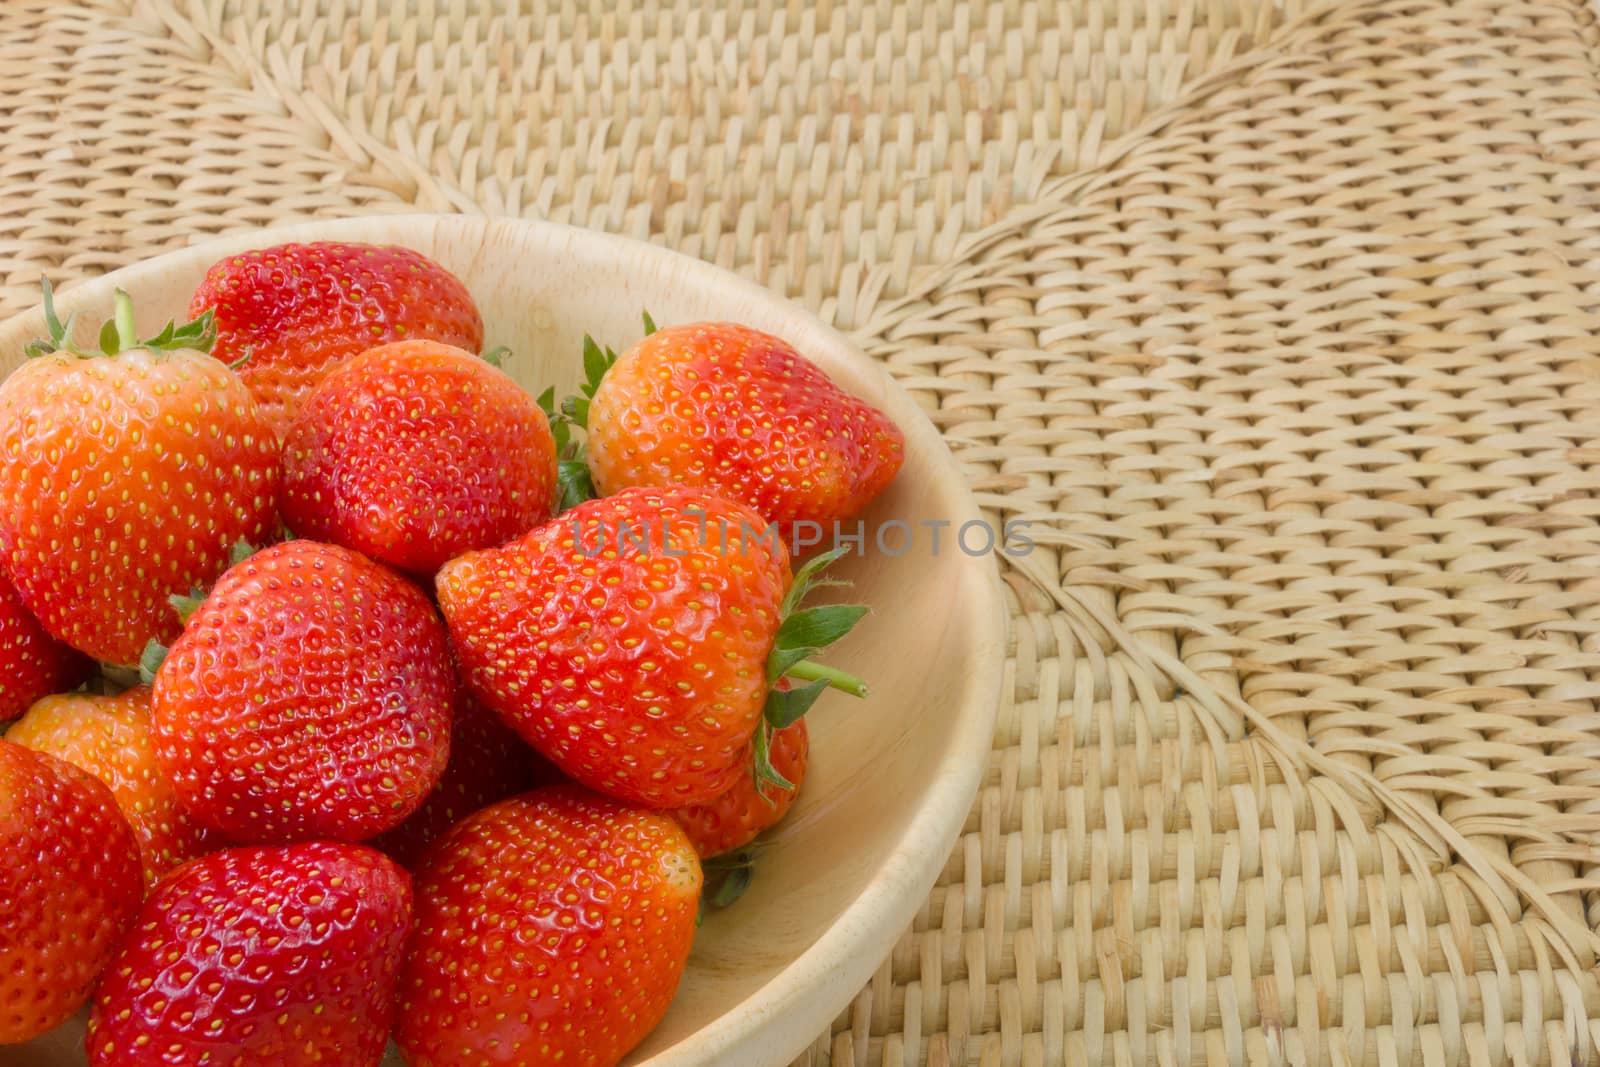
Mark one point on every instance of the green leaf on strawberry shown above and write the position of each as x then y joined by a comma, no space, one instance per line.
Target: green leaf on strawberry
802,633
186,604
573,478
785,706
119,334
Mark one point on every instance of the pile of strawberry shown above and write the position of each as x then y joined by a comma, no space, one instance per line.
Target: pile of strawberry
397,727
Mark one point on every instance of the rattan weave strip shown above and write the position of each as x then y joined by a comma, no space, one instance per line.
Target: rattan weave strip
1280,323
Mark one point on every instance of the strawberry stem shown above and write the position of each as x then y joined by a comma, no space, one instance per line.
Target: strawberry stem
843,681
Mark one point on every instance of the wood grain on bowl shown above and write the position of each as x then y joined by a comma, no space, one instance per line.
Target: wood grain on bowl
891,777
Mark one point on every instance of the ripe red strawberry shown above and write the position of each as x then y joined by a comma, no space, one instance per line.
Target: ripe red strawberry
750,805
551,928
739,412
32,663
69,886
488,762
125,476
299,310
416,452
259,957
634,641
308,696
110,737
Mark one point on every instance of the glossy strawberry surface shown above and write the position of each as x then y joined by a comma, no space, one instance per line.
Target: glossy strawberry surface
110,737
552,928
741,412
258,957
125,479
309,696
747,808
627,640
32,663
416,452
294,312
69,887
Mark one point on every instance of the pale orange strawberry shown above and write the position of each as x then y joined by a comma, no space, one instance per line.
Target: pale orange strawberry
110,737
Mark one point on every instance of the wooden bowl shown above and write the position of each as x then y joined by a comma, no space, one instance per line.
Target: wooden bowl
892,777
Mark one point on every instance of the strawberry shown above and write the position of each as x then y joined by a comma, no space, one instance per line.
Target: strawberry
32,663
109,736
128,472
551,928
750,805
739,412
308,696
299,310
634,641
69,886
415,452
488,762
259,957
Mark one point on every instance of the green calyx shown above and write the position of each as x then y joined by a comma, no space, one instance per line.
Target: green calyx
118,334
802,633
572,465
150,661
185,604
155,653
241,551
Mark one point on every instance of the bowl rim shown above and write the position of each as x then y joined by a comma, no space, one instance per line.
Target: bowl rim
776,1022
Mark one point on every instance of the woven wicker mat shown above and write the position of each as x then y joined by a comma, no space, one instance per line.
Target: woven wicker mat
1282,324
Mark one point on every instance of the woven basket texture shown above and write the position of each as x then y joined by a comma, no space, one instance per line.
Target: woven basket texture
1281,324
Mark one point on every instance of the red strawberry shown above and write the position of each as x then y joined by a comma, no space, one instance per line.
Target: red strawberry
551,928
298,311
69,887
126,478
488,762
110,737
739,412
416,452
634,640
750,806
308,696
32,663
259,957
